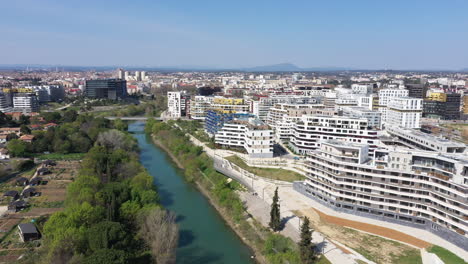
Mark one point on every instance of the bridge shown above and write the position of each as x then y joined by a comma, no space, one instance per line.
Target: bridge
132,118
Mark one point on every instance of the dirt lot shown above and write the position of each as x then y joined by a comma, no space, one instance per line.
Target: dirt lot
372,247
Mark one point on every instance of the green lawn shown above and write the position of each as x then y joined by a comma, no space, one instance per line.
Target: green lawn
57,156
323,260
445,255
270,173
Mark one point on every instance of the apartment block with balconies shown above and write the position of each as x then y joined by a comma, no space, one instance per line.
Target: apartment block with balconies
421,189
308,133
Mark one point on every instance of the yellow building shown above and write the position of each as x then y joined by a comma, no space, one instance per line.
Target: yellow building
441,97
228,101
465,104
230,105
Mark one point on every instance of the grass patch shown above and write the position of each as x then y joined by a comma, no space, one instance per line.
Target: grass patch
445,255
270,173
57,156
408,257
323,260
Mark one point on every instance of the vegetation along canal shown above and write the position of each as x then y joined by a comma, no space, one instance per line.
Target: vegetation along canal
204,237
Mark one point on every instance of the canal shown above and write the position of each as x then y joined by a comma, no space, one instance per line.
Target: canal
204,236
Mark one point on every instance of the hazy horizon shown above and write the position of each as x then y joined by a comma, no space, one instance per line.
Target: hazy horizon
400,35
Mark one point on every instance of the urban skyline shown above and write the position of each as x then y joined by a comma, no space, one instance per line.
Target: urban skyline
427,35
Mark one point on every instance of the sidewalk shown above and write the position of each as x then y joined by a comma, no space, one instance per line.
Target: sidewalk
294,201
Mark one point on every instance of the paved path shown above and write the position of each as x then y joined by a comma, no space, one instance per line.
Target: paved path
258,206
292,201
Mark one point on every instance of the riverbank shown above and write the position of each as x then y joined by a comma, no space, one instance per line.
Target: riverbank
168,152
257,252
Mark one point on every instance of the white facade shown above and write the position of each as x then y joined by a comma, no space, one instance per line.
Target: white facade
417,188
310,131
385,96
405,112
199,105
174,108
419,140
282,117
364,89
252,135
25,102
374,118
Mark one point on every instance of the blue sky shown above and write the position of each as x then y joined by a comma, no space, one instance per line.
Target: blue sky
392,34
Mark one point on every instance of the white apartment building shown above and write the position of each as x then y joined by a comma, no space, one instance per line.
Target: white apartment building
404,112
364,89
25,102
421,189
374,118
419,140
199,105
176,104
251,134
262,106
282,117
310,131
386,95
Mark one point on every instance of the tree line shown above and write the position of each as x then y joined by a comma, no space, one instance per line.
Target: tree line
74,134
198,167
112,212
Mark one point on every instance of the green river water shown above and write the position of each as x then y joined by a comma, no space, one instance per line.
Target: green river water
204,236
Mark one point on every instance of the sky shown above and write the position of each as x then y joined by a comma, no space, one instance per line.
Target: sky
361,34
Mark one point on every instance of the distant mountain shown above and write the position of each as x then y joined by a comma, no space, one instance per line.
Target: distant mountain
289,67
274,68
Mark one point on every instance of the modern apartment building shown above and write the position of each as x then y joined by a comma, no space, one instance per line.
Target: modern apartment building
215,120
374,118
199,105
422,141
446,106
386,95
310,131
4,104
282,117
230,105
177,104
106,89
251,134
422,189
262,106
25,102
404,112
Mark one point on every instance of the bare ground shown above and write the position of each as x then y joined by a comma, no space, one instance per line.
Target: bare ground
374,248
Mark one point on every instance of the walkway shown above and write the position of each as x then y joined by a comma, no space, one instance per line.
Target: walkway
294,201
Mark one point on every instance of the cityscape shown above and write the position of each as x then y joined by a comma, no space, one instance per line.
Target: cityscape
186,137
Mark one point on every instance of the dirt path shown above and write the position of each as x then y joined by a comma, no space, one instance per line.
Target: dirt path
373,247
374,229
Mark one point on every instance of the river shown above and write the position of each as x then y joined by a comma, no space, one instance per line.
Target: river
204,237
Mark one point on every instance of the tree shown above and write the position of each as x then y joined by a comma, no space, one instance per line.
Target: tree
51,116
69,116
11,136
23,120
306,247
24,129
275,218
17,148
120,125
161,233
